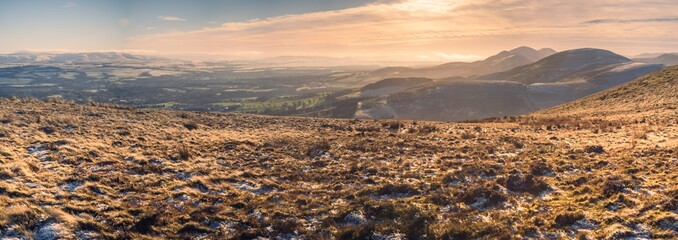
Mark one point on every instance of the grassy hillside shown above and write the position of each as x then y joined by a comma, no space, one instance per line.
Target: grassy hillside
651,96
556,79
503,61
560,66
454,100
102,171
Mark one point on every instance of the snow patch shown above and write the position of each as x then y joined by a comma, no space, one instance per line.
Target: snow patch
39,151
253,188
51,231
355,218
72,185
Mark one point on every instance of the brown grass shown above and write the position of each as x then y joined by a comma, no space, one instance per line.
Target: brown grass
114,172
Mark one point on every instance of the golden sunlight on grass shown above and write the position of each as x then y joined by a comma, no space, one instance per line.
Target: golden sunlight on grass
106,171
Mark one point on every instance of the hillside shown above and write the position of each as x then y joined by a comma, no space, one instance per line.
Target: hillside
554,80
583,83
668,59
560,66
391,85
451,100
651,96
103,171
502,61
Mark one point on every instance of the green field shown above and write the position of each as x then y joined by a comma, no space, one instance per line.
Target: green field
276,104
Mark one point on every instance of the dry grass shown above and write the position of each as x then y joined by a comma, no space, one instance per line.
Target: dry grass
107,171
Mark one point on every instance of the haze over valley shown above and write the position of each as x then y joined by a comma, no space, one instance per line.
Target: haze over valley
523,79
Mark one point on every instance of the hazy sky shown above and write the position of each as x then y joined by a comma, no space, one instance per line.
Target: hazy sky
429,30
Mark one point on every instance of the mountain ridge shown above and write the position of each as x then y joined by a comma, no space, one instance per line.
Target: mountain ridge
81,57
553,80
559,66
668,59
502,61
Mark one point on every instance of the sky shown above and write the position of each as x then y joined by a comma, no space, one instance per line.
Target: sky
393,30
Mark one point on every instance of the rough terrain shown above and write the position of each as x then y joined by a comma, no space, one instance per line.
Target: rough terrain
106,171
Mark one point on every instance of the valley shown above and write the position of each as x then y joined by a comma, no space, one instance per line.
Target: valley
523,79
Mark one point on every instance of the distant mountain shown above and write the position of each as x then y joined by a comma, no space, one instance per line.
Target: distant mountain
528,53
556,79
560,66
668,59
646,55
503,61
93,57
652,96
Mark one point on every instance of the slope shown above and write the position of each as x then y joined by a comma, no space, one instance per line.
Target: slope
502,61
668,59
560,66
451,100
654,96
557,79
94,171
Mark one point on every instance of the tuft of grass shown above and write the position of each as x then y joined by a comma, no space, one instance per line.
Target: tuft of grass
191,126
19,214
527,183
594,149
618,184
469,229
183,153
146,223
487,196
567,219
192,228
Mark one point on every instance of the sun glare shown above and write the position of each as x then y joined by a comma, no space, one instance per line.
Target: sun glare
436,6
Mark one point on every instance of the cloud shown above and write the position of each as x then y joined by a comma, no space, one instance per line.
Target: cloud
69,5
171,18
416,28
123,22
646,20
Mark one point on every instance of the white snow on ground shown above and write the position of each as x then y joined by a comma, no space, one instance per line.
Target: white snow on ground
71,186
253,188
39,151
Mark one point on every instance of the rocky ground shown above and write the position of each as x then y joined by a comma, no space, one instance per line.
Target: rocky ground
111,172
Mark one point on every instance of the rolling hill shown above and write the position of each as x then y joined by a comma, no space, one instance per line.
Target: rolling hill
391,85
503,61
651,96
454,100
668,59
560,66
556,79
